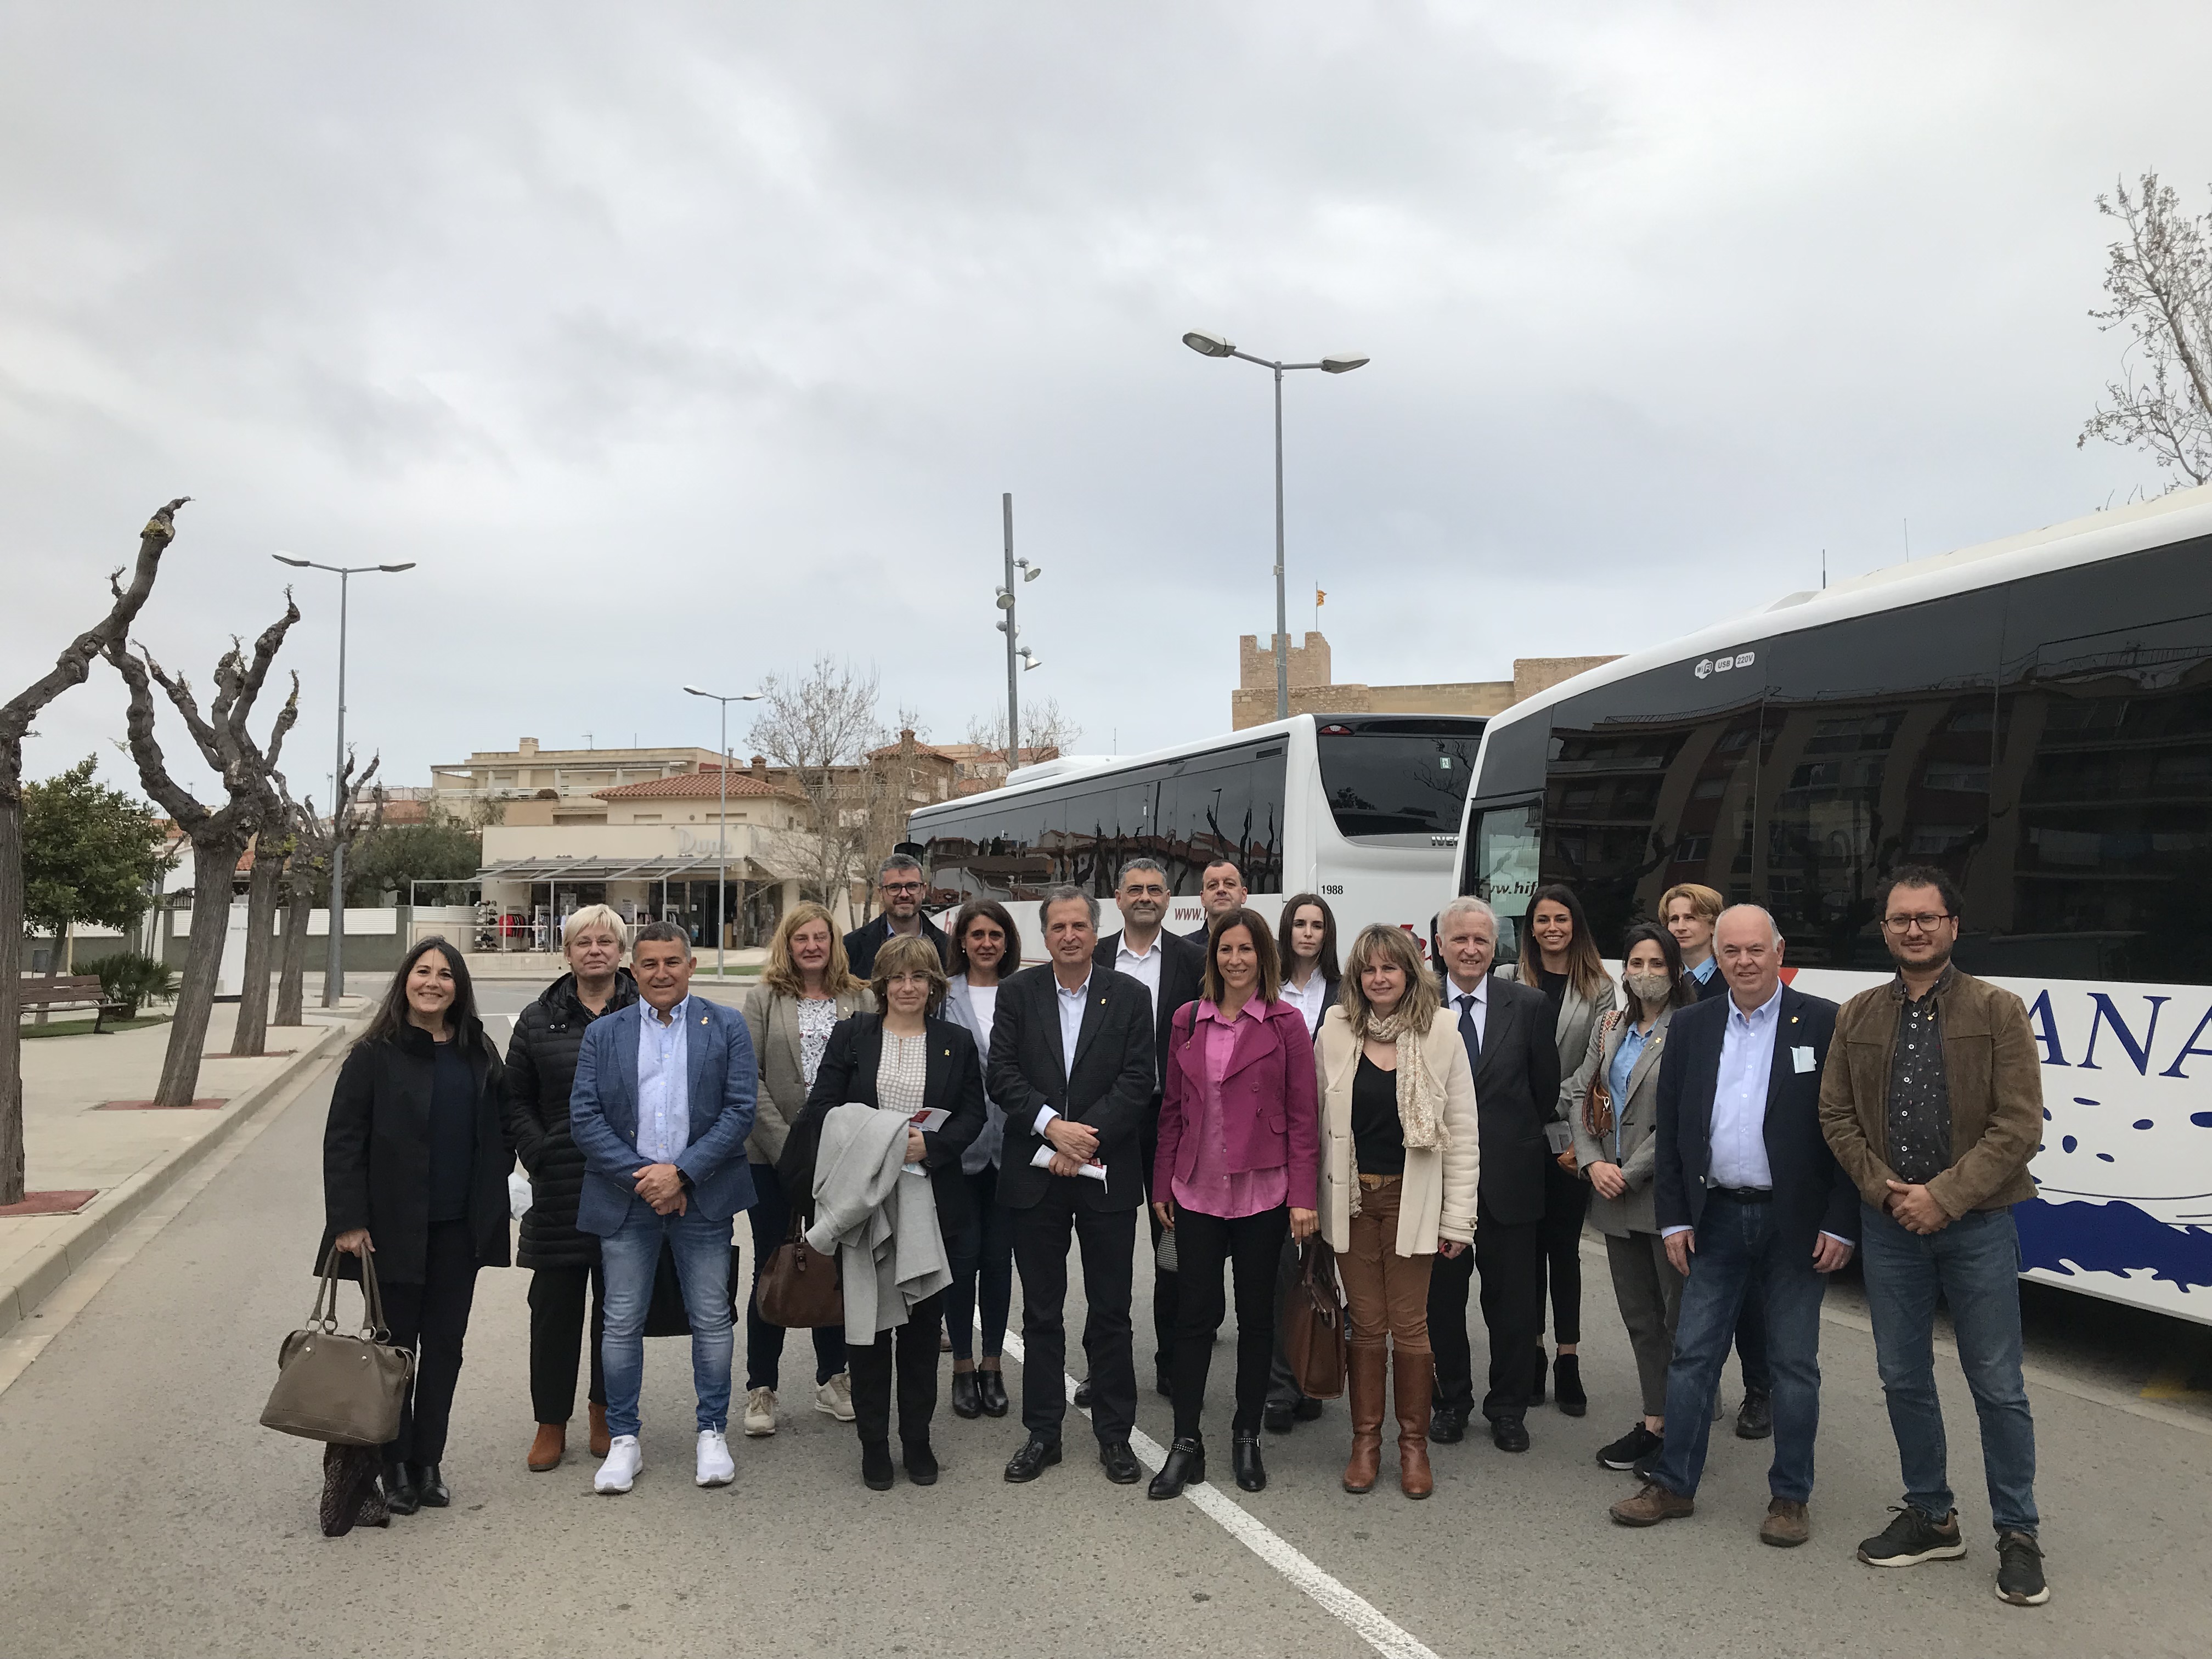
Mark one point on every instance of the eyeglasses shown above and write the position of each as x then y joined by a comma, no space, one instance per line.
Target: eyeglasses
904,886
1926,922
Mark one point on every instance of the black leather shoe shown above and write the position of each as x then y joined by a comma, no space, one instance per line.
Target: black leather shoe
1567,1385
876,1465
430,1487
1083,1395
400,1494
1035,1456
921,1462
1306,1411
1244,1459
967,1394
1185,1463
1507,1434
1278,1420
1448,1425
1120,1463
992,1386
1756,1420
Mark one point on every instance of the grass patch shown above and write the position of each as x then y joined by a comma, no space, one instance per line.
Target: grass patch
84,1027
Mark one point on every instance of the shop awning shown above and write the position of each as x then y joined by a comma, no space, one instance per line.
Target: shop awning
620,869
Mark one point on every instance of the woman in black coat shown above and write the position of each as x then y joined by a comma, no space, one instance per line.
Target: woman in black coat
414,1173
541,1067
908,1058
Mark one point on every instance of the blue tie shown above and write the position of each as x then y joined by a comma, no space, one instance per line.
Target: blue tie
1467,1032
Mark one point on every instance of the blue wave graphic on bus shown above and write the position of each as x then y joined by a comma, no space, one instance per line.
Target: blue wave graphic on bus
2113,1238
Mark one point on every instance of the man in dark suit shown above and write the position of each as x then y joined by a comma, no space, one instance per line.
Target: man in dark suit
1071,1066
1508,1032
1169,967
1745,1187
900,887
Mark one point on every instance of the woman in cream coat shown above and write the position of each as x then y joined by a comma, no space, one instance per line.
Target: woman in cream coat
1612,1102
1398,1168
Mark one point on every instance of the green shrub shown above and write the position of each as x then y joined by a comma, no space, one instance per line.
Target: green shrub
131,979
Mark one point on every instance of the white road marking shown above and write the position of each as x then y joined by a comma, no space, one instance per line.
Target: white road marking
1367,1620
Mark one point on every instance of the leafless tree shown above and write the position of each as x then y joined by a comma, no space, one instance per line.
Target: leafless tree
1044,726
2159,278
308,875
217,836
820,728
69,668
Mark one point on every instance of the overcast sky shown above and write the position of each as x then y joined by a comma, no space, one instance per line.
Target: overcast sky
686,342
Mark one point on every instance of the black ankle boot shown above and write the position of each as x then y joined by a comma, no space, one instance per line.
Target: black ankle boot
921,1462
400,1494
430,1487
1244,1459
1186,1464
876,1466
992,1385
967,1394
1567,1385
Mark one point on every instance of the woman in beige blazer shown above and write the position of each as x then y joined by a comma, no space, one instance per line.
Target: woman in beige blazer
1612,1102
1398,1169
805,990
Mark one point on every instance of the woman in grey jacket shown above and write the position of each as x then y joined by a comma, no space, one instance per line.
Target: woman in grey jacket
805,990
1612,1102
986,948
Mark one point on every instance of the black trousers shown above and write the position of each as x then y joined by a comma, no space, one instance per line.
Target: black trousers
1506,1255
431,1319
911,1350
1252,1246
1167,1288
771,1220
1108,1241
1566,1202
982,1259
557,1326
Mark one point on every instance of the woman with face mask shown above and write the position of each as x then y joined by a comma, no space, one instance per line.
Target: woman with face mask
1613,1103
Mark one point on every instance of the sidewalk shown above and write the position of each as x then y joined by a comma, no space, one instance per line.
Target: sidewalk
126,1158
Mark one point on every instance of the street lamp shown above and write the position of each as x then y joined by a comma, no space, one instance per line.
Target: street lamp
722,823
334,963
1019,658
1216,345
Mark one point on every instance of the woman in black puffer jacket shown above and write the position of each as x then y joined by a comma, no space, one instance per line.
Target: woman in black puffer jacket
541,1066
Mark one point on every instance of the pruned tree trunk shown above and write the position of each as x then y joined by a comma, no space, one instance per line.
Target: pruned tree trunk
251,1034
213,866
292,971
11,997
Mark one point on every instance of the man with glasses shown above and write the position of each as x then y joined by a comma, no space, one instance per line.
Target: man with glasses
900,889
1932,1100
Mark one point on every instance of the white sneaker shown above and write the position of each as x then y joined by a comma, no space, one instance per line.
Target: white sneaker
760,1413
834,1397
716,1468
625,1458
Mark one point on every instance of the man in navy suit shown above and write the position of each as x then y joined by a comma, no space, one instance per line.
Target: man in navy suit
662,1104
1745,1187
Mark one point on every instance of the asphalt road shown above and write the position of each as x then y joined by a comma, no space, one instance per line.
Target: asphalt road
142,1510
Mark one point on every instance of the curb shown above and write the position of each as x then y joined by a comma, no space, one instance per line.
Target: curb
74,1243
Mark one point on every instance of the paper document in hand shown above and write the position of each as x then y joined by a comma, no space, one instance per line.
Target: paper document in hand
931,1120
1096,1170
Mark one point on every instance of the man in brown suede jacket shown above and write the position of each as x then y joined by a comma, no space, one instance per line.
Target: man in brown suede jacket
1932,1102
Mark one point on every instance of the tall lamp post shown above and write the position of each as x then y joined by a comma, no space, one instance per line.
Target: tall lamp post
722,820
1214,345
334,963
1019,658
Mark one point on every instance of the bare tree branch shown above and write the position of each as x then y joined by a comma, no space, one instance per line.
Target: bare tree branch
2159,278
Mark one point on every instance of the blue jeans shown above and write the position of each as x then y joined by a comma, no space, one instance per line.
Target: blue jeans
1737,1244
1974,1263
629,1259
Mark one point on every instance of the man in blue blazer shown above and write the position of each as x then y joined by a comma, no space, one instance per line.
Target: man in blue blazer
1746,1189
662,1104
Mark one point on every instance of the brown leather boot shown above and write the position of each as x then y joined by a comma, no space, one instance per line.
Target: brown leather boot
1412,1378
1366,1362
602,1442
552,1445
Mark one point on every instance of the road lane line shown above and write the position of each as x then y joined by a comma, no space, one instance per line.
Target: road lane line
1367,1620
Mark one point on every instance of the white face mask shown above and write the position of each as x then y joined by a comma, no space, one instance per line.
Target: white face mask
1649,987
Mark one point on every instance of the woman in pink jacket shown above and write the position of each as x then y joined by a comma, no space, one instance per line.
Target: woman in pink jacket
1238,1164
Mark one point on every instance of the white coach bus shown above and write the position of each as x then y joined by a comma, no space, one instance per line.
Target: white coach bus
1363,809
2034,716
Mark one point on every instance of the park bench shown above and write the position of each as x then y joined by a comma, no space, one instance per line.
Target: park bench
70,991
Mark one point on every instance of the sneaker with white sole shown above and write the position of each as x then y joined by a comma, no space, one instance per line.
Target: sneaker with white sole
716,1468
1911,1538
834,1397
760,1413
625,1458
2020,1570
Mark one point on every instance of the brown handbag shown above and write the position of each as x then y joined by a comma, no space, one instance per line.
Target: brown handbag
1597,1104
798,1286
1313,1323
342,1390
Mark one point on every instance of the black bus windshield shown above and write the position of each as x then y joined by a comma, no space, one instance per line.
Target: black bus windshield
1392,778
